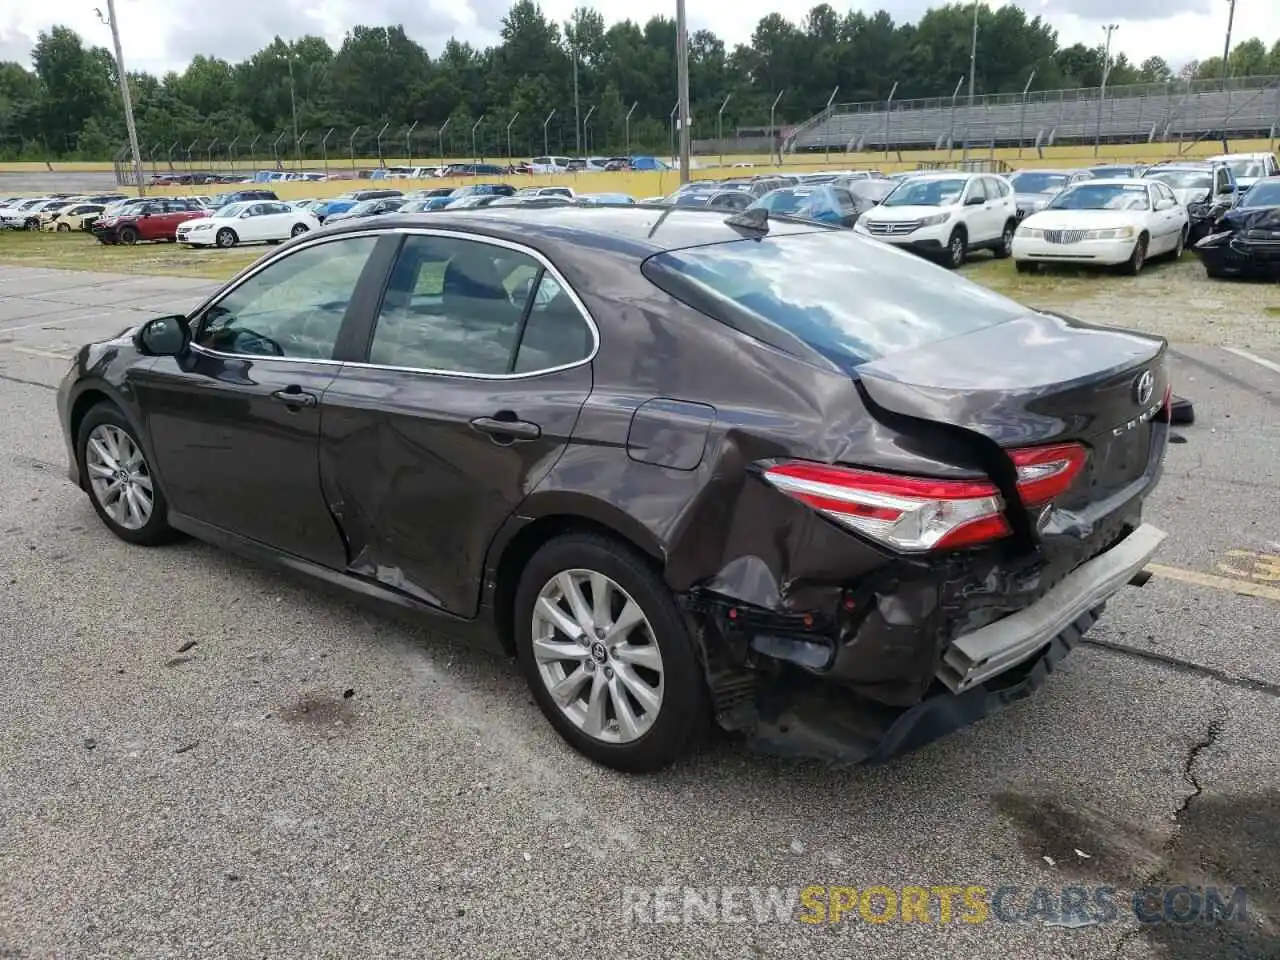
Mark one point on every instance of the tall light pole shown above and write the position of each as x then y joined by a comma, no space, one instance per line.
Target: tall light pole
577,108
126,99
682,81
973,73
293,104
1226,52
1110,28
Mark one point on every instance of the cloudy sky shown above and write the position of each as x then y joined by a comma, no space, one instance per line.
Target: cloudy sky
161,35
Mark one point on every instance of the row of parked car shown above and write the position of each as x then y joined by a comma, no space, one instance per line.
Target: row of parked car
1111,215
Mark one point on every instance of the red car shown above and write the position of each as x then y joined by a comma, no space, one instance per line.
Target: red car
157,220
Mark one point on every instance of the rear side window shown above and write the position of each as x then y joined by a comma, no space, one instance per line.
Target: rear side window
469,307
850,299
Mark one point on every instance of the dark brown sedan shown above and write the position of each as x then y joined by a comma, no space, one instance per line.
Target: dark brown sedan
686,468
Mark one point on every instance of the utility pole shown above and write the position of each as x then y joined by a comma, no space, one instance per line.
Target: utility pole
973,71
1110,28
293,102
110,20
577,109
1226,52
682,82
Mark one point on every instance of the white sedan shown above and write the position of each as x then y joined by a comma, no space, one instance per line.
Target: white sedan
1107,222
253,221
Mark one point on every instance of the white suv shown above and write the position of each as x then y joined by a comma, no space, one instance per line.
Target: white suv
945,215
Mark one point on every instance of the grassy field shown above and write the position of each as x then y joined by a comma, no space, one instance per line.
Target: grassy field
80,251
649,184
77,251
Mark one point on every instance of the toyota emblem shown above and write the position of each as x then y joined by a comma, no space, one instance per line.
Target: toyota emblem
1143,387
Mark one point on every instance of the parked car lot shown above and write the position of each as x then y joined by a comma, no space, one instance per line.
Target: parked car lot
238,768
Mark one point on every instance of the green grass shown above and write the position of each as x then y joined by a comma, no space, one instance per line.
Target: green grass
77,251
1271,311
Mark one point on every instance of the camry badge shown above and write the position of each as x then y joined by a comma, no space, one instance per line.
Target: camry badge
1143,387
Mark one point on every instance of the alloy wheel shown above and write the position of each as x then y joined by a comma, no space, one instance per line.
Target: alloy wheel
119,476
956,250
596,654
298,230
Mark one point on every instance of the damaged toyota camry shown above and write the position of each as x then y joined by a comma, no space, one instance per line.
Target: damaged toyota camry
687,469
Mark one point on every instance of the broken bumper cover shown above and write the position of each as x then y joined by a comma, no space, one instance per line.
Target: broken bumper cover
817,724
976,657
981,673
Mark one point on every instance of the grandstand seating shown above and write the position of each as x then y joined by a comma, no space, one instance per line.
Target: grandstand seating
1130,114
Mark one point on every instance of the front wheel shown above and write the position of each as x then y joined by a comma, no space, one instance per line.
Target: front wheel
128,236
608,654
226,238
957,250
1004,248
115,472
1133,266
63,228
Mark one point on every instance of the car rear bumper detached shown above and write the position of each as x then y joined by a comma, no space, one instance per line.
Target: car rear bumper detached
976,657
803,713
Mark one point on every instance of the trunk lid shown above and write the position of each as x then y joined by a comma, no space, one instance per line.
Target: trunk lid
1034,380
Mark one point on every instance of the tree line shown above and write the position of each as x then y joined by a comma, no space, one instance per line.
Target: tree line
67,103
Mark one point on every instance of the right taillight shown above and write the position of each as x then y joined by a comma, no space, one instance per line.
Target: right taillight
908,514
1047,472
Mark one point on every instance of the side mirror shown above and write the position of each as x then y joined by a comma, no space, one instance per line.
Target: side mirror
975,201
163,337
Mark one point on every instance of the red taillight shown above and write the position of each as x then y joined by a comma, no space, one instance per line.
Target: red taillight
1166,408
1047,472
909,514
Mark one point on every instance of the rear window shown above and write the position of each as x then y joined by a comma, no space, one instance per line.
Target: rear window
850,299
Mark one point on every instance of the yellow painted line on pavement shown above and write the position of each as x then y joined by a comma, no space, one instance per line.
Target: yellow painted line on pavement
1242,587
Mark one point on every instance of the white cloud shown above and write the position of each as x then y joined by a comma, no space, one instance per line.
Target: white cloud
162,35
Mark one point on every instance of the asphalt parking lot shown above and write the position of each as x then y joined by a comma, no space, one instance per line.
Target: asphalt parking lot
201,758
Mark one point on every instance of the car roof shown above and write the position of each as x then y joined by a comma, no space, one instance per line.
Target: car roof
1060,170
637,231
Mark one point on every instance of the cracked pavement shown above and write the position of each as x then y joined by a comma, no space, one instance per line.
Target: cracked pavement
203,758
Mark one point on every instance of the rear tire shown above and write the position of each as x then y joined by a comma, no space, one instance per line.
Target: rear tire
632,733
957,249
298,230
1176,255
1004,247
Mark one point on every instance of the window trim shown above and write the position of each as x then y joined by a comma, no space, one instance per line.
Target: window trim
401,232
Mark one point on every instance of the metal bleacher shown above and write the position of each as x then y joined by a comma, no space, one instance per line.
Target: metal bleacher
1248,107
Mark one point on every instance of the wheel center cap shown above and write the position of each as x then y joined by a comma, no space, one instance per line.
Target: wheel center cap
598,652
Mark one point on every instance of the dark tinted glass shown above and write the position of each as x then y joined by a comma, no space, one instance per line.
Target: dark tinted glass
851,299
454,306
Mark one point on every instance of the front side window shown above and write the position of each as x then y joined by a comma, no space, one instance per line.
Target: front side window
469,307
293,308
